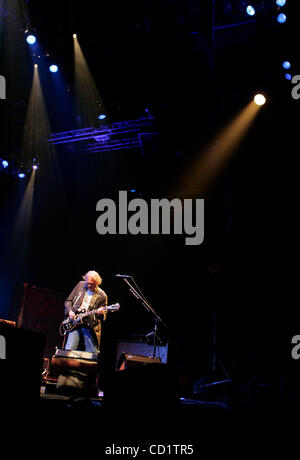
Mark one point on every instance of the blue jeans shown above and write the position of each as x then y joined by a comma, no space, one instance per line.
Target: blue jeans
74,338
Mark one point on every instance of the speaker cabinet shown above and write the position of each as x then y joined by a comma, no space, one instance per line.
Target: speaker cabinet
38,310
21,366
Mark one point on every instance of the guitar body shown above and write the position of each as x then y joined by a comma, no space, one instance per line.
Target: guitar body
71,323
88,318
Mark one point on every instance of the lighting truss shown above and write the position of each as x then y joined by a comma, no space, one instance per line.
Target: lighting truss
117,136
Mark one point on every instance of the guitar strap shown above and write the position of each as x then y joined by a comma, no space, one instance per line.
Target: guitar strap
81,295
93,300
92,320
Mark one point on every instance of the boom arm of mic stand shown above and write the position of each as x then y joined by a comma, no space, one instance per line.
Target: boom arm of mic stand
144,302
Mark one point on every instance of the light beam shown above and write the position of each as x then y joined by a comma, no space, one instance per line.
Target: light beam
202,173
89,103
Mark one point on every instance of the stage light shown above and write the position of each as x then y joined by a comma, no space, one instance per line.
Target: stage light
102,116
35,66
286,64
259,99
281,18
280,2
53,68
74,35
35,163
31,39
288,76
21,175
250,10
5,164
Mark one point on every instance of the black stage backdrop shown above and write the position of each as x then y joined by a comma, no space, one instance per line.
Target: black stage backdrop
165,65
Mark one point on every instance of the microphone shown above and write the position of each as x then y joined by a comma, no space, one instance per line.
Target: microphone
123,276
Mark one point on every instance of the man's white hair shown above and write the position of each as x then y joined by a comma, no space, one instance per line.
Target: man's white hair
94,275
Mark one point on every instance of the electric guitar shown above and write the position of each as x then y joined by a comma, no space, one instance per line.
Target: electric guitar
70,323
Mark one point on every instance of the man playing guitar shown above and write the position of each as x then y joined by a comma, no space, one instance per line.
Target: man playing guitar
86,296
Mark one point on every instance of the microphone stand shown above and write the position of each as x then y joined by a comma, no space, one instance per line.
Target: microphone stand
148,307
215,358
154,334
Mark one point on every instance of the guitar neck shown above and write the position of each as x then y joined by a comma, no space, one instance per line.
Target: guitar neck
94,311
88,313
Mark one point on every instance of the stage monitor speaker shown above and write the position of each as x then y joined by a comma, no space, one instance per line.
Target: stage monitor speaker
143,349
127,361
64,365
73,374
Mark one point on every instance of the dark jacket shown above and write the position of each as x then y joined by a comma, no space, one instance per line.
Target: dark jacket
99,299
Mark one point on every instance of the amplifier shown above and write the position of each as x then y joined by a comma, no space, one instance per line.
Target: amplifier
38,310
